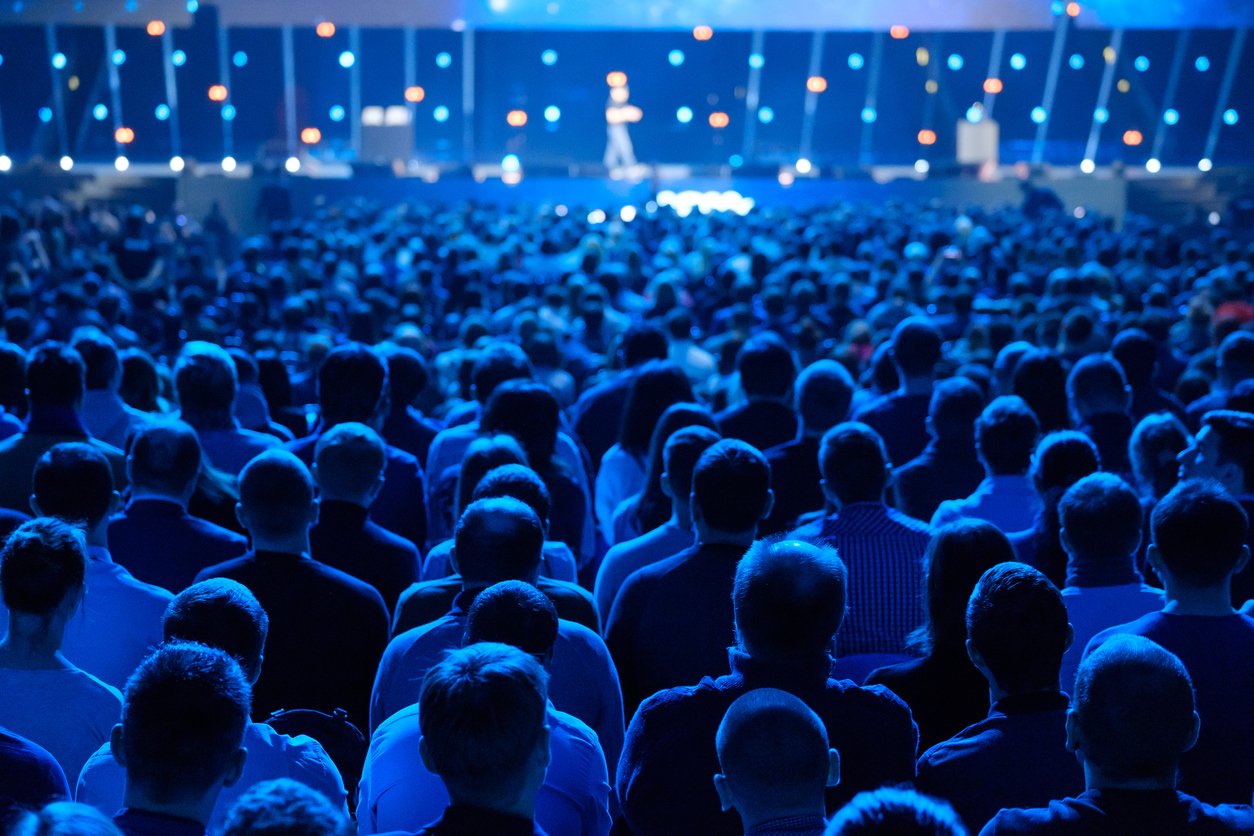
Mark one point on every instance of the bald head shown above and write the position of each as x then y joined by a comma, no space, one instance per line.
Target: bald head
349,462
165,459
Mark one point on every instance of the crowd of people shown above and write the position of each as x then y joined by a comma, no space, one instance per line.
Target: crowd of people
476,519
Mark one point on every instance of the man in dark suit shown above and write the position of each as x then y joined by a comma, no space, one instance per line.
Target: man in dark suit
766,370
154,537
948,468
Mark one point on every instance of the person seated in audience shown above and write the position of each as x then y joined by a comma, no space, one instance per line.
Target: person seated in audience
181,739
882,546
405,427
64,818
500,540
824,392
1233,364
1154,451
1132,721
327,629
282,807
30,777
1018,631
775,764
1100,530
683,449
1005,436
789,601
900,417
1040,379
349,463
949,467
485,732
154,536
1100,401
1137,354
397,789
353,387
895,812
767,370
222,614
55,386
122,619
207,386
105,415
945,692
683,603
1199,536
43,696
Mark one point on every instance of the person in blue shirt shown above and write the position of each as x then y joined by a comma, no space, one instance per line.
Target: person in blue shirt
901,416
948,468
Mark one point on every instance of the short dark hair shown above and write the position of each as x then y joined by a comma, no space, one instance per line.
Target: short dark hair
899,812
165,454
206,380
1134,707
352,384
789,598
853,462
1102,517
55,375
1153,449
497,363
683,450
1006,434
957,557
1236,356
824,392
513,613
484,455
641,342
482,711
1137,355
350,457
1063,458
1098,381
916,346
220,613
1017,621
731,485
408,373
284,807
100,357
766,366
773,748
183,719
955,407
1235,431
498,540
73,481
1199,530
657,385
1041,380
43,560
276,490
519,482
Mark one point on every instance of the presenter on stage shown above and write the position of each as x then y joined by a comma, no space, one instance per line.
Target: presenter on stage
618,150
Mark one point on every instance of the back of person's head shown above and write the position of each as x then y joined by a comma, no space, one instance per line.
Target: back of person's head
916,347
520,482
1006,434
408,373
221,613
514,613
1153,449
1041,380
1235,431
100,358
482,714
1062,459
683,450
73,481
1096,385
657,385
141,382
1199,533
1137,354
43,562
652,507
183,722
497,363
957,557
824,393
893,812
1004,365
352,384
1101,519
498,540
284,807
530,413
64,818
1133,713
275,494
348,462
731,486
789,599
955,407
206,381
164,458
55,376
485,454
854,463
1017,625
642,342
773,753
766,366
1236,357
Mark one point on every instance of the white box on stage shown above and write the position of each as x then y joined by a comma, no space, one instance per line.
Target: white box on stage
977,141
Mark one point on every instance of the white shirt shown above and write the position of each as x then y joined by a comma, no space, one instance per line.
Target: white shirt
621,476
67,711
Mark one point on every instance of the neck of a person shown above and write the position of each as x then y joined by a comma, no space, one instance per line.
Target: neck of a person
681,515
758,397
914,385
139,492
838,504
98,534
521,804
293,543
1097,779
362,501
707,536
805,431
196,807
1185,599
753,816
996,692
33,642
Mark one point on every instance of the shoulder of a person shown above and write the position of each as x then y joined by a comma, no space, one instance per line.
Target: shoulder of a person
387,539
399,458
1009,822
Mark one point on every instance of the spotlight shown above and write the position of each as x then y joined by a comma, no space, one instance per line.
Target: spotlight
45,114
1088,166
927,137
922,166
292,165
1076,61
552,113
804,166
675,57
67,162
684,115
177,163
856,61
703,33
100,113
1101,115
1132,137
228,164
156,28
627,213
228,113
992,85
337,113
617,78
440,114
955,62
444,60
1230,116
868,115
124,136
347,59
1018,61
1171,116
1039,114
757,60
1153,165
59,61
178,57
217,93
1141,63
6,164
325,29
816,84
1204,164
766,116
510,162
240,58
118,57
899,32
516,118
719,120
1202,64
549,57
121,163
415,94
310,136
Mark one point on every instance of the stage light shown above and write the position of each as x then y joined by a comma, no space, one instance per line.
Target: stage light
193,6
516,118
735,161
124,136
67,162
899,32
240,58
177,164
561,210
703,33
440,114
757,60
549,57
992,85
1123,85
552,113
178,57
100,112
228,164
72,83
1204,164
931,86
765,115
1018,61
955,62
444,60
1073,9
1171,116
922,166
627,213
45,114
228,113
596,216
1141,63
1213,218
347,59
325,29
922,56
1088,166
868,115
684,115
310,136
675,57
292,165
1039,114
217,93
816,84
6,164
617,78
804,166
719,120
1231,116
59,61
975,113
510,162
1132,137
121,163
1101,115
118,57
856,61
927,137
156,28
415,94
1076,61
787,178
1202,64
337,113
1153,165
1109,55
